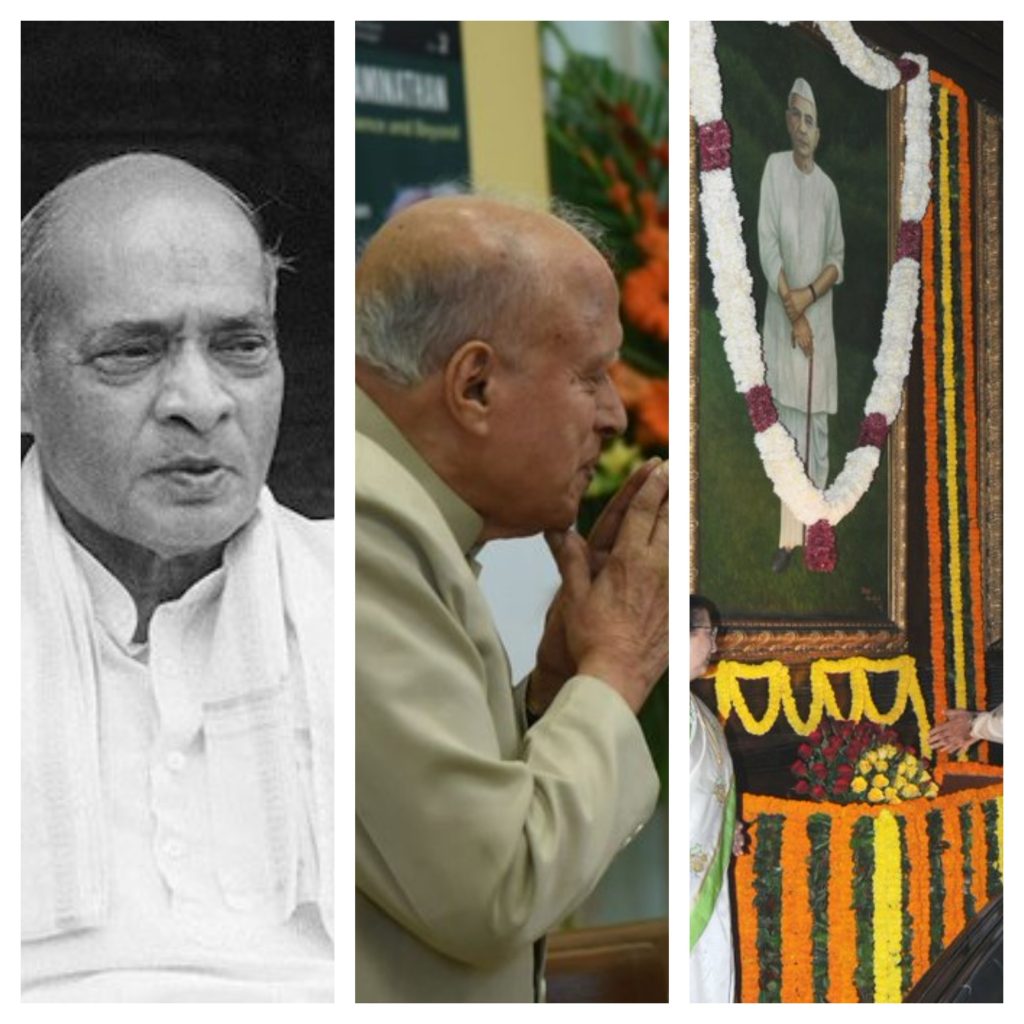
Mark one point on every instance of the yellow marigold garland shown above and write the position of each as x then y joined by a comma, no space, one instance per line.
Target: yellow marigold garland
887,891
949,387
729,694
730,697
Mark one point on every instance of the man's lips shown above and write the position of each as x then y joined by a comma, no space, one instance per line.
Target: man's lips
190,464
194,479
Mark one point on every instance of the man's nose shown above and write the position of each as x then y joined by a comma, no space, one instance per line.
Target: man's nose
191,391
612,419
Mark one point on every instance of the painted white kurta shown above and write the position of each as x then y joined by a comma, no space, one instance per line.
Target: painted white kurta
712,963
799,230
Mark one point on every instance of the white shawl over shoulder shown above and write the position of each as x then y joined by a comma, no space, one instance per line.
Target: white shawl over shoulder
278,572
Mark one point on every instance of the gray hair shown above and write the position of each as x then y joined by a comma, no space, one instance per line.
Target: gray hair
39,293
409,327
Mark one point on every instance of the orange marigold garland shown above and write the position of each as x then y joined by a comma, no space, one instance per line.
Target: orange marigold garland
746,917
970,409
842,922
796,912
953,874
917,840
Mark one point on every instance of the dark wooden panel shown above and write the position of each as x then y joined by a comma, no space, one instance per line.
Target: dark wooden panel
616,964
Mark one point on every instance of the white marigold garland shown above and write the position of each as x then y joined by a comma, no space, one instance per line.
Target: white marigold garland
819,510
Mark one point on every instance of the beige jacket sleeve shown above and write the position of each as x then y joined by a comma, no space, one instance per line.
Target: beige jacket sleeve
473,837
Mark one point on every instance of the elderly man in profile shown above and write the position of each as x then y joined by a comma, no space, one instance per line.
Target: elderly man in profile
176,627
485,813
800,240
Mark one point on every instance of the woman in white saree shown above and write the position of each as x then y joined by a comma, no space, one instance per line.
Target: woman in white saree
713,833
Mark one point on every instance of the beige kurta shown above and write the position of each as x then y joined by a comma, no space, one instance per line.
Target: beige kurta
473,838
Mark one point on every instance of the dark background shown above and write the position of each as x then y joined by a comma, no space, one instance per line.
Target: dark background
251,102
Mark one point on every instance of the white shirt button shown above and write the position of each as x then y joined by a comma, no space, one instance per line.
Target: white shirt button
174,848
175,761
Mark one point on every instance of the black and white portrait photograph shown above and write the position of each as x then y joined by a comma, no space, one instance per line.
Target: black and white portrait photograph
177,335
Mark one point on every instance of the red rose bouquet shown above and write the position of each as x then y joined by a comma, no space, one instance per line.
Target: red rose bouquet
846,761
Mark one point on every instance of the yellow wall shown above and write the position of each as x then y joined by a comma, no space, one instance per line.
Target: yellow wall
505,106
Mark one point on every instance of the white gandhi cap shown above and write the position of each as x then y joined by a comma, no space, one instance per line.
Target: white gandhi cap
802,88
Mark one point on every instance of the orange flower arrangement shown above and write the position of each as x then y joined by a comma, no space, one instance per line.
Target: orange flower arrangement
609,136
645,289
842,927
842,920
746,915
647,398
797,984
645,298
917,841
953,877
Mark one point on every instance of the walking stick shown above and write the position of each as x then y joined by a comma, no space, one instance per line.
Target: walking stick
807,438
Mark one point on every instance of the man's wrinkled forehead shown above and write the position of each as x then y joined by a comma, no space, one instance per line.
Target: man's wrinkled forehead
159,240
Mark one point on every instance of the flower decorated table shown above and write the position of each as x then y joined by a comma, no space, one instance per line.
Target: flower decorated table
853,902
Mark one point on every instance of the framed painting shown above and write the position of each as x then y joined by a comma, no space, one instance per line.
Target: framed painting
784,94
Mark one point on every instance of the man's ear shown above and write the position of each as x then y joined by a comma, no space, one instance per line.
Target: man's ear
468,379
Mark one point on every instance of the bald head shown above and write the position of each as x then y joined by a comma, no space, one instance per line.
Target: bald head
459,267
126,202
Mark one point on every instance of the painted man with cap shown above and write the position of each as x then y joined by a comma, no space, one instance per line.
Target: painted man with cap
800,240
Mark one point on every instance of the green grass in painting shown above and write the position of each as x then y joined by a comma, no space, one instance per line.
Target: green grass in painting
739,514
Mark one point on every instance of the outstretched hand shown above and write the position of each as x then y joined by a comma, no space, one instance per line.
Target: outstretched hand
954,735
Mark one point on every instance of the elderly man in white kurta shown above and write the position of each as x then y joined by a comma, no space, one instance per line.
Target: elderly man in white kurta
800,238
176,645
